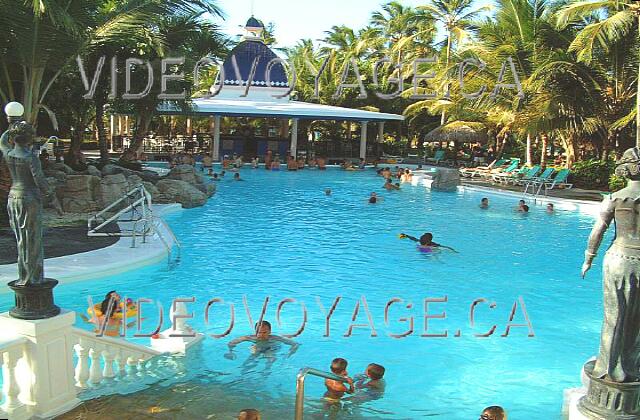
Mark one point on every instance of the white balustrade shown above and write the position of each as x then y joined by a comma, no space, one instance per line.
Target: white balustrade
96,357
11,352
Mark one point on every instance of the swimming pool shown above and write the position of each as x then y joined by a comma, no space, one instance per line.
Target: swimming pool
278,235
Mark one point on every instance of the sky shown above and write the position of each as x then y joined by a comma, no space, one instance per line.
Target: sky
297,19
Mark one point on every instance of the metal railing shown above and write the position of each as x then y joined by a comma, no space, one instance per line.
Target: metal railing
138,203
299,414
138,208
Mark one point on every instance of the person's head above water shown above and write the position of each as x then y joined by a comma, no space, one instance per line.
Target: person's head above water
263,330
484,201
327,191
375,371
426,238
521,202
550,207
236,176
249,414
104,306
338,365
495,412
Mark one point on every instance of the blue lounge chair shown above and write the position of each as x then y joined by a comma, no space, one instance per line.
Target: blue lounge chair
560,180
437,157
528,175
537,181
505,175
480,170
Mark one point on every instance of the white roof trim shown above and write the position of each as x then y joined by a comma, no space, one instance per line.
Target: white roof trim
278,109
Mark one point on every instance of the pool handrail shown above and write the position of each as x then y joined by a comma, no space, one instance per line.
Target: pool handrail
299,414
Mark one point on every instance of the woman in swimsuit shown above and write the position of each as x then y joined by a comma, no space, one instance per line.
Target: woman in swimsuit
426,242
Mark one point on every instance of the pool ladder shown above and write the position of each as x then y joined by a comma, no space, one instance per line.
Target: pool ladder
299,414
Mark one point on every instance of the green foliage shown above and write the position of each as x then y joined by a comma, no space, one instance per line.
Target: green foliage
617,183
593,173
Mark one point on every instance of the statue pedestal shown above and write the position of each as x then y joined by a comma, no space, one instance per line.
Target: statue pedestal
34,301
607,400
45,373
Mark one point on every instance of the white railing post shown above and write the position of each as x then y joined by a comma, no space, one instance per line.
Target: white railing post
132,363
121,361
10,387
95,372
82,366
109,357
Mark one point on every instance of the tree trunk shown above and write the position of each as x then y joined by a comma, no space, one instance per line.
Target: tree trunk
529,152
443,117
142,126
503,143
569,144
100,101
543,154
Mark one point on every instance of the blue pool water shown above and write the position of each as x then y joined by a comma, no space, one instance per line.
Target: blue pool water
277,235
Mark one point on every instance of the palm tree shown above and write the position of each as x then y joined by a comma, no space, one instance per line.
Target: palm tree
621,24
457,17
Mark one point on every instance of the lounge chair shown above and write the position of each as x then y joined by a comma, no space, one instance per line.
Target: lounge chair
530,175
522,174
479,170
537,181
560,180
392,159
510,171
437,157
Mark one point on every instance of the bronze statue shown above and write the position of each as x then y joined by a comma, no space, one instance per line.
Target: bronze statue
33,291
25,200
614,386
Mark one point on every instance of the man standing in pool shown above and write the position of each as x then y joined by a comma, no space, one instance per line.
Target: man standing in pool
264,342
426,242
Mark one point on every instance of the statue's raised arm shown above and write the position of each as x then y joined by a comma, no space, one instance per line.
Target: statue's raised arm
5,146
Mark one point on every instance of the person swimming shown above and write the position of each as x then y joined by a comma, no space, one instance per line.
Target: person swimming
373,198
426,242
263,341
484,203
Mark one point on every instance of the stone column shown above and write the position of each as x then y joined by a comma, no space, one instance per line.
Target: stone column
363,140
46,376
380,131
112,127
294,138
215,150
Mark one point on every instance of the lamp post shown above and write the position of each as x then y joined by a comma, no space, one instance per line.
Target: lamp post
33,292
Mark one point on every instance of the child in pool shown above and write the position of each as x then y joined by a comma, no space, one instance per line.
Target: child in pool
426,242
336,389
372,378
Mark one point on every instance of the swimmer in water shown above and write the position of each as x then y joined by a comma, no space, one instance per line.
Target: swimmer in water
263,341
327,191
550,208
373,198
236,177
484,203
426,242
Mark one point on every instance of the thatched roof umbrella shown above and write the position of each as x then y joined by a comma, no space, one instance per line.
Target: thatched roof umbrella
459,131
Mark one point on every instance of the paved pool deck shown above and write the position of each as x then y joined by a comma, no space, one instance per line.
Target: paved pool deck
116,258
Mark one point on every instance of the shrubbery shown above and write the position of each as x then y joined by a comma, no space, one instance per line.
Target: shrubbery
593,173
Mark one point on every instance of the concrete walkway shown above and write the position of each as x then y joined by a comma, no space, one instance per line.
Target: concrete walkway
114,259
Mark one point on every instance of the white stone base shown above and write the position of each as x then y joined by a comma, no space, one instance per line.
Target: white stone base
570,404
167,344
46,375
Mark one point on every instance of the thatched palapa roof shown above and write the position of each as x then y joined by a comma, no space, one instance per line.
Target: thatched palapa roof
458,131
